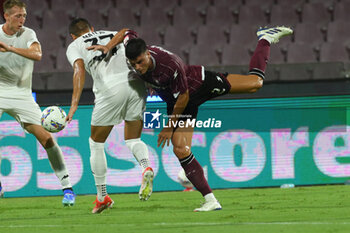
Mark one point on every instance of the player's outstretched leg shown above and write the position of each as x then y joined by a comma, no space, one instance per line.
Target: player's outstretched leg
56,159
273,34
57,163
102,205
258,62
147,184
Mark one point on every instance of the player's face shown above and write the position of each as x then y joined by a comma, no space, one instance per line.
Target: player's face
142,63
15,18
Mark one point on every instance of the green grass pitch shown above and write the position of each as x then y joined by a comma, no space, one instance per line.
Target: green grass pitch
304,209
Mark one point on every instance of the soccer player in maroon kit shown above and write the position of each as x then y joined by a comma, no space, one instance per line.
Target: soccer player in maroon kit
184,88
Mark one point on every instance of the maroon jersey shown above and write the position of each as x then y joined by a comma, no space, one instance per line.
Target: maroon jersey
171,76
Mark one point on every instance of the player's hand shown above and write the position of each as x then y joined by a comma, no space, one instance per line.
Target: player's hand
164,137
69,117
101,48
4,47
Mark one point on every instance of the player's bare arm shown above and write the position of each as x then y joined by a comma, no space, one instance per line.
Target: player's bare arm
165,135
33,52
117,39
78,85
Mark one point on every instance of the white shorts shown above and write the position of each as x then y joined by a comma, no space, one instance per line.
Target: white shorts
128,103
23,110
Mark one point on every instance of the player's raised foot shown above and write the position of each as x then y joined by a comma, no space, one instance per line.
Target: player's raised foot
147,184
209,206
68,197
101,206
273,34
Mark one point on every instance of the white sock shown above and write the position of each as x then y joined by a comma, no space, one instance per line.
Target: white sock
209,197
98,165
139,150
58,165
101,192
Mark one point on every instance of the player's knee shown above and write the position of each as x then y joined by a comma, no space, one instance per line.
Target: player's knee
47,141
181,151
256,84
93,136
97,138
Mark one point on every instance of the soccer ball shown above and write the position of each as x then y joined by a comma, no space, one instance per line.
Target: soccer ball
53,119
181,176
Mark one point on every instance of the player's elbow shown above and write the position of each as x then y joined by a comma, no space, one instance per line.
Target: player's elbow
37,57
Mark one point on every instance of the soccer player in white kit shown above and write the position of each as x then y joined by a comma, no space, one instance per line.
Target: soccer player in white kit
19,48
119,95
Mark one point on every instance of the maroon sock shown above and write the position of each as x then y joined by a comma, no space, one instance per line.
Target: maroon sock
259,59
194,172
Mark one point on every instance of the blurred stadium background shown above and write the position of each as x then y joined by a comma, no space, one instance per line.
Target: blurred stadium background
219,34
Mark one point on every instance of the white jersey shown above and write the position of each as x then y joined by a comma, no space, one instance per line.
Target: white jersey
107,71
16,71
